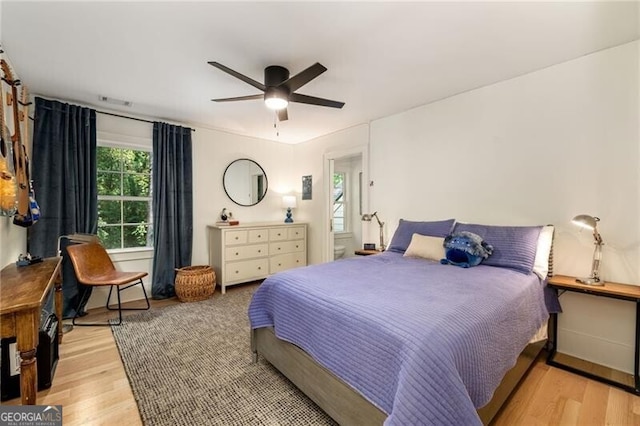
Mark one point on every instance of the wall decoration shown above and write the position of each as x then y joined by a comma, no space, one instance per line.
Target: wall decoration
306,187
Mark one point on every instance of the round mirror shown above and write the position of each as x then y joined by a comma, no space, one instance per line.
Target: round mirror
245,182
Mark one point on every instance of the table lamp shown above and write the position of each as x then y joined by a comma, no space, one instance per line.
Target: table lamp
368,218
591,222
289,202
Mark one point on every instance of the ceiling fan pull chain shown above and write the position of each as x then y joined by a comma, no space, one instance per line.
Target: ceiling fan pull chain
275,123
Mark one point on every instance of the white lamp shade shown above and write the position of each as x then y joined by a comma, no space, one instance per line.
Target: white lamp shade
289,201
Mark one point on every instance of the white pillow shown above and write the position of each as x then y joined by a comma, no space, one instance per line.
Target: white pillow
545,240
426,246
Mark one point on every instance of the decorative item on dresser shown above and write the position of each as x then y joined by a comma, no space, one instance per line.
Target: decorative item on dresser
289,202
253,251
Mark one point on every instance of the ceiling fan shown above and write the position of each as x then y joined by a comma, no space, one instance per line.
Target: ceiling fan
279,88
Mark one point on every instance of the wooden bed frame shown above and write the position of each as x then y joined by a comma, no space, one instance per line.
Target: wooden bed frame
342,402
347,406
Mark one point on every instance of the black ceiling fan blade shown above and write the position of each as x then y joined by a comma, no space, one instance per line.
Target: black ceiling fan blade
236,74
312,100
239,98
303,77
283,115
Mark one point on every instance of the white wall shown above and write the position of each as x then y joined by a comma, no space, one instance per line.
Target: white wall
536,149
13,241
212,153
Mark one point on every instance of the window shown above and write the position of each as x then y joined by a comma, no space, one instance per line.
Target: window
124,197
339,202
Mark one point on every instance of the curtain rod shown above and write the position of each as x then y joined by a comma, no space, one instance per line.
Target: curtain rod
121,116
131,118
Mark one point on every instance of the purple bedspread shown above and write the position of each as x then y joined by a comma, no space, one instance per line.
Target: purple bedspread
426,343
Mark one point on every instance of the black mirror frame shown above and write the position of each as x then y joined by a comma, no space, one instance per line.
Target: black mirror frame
266,182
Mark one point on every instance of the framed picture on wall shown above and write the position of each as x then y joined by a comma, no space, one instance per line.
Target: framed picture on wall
306,187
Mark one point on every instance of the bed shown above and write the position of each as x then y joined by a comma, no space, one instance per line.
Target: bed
399,339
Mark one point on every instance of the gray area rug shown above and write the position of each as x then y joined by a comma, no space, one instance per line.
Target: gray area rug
190,364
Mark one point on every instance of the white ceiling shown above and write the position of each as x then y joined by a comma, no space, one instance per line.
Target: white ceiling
382,57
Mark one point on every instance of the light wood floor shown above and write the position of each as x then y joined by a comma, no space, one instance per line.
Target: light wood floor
92,386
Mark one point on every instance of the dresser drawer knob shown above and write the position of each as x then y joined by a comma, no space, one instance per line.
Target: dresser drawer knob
297,261
259,251
259,268
279,264
259,236
237,272
278,248
279,234
297,246
236,238
237,253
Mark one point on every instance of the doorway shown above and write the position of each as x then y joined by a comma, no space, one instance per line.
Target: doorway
345,177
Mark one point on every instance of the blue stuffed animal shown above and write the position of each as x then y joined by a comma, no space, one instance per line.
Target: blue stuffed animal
465,249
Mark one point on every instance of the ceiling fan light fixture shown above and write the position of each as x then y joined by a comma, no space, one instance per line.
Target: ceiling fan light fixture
280,89
275,98
276,103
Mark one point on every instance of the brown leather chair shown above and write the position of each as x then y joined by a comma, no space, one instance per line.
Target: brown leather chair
94,267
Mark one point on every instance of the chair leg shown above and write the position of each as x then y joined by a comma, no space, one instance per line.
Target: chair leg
102,324
119,308
123,289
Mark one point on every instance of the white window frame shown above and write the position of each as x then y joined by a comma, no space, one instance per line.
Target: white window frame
133,143
344,202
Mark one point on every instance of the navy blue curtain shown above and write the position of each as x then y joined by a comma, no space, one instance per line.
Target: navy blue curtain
64,179
172,205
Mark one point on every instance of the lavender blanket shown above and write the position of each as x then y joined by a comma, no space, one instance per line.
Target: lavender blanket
426,343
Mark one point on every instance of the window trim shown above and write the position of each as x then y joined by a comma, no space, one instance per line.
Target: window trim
135,145
344,202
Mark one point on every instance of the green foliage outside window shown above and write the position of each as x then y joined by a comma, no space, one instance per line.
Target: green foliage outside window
124,197
339,222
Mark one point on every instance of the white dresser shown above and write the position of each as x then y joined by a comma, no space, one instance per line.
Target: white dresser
252,251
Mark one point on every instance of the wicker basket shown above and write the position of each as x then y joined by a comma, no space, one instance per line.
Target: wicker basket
194,283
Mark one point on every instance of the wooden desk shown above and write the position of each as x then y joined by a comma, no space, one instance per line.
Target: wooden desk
631,293
23,290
